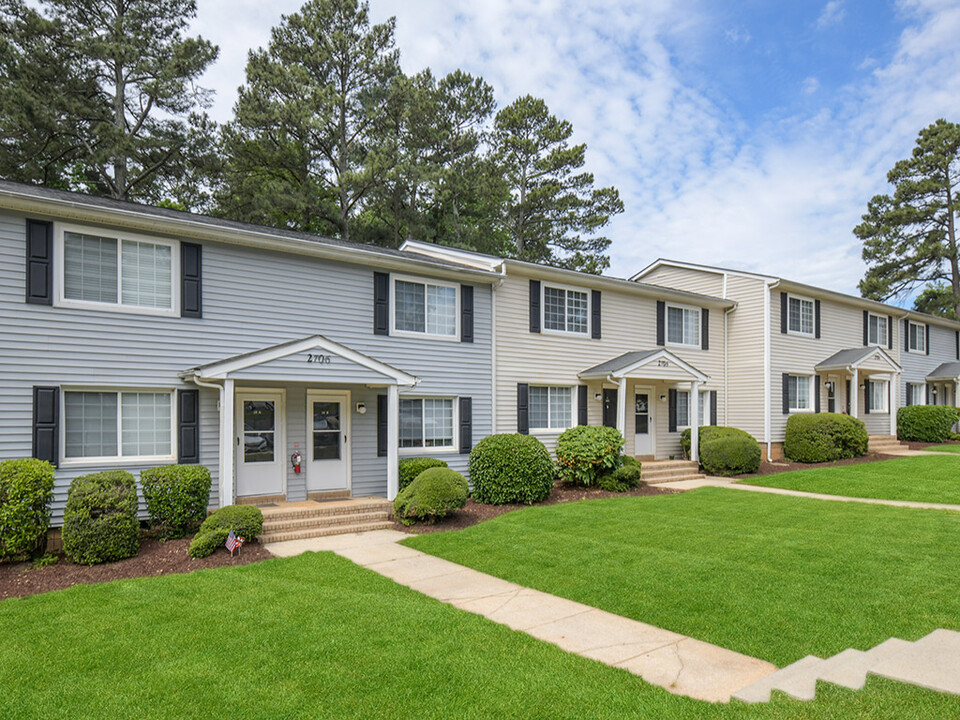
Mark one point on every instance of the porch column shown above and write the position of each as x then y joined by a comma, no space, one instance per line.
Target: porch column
393,441
894,401
227,444
622,407
854,393
695,421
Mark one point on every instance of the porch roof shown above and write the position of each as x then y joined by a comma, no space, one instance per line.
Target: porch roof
659,364
855,357
946,371
314,359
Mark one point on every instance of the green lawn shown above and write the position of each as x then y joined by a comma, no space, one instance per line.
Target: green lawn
951,448
771,576
318,637
923,478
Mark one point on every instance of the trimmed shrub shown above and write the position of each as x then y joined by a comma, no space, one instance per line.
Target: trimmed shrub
26,489
824,437
926,423
100,521
411,467
246,521
588,452
724,451
510,468
432,494
626,477
177,497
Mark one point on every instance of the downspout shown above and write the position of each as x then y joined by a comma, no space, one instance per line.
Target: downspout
493,344
224,445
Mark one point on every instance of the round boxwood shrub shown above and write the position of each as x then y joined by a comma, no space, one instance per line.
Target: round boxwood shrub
177,497
100,521
724,451
26,489
510,468
432,494
824,437
588,452
411,467
246,521
626,477
926,423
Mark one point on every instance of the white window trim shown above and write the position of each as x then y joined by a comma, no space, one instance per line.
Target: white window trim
66,462
543,311
886,329
813,310
119,236
886,397
423,449
425,282
921,327
811,382
573,409
666,325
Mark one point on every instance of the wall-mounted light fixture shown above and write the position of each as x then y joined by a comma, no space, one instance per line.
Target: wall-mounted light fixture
361,408
598,396
663,398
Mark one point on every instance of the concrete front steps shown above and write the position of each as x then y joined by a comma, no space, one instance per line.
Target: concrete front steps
661,471
310,519
932,662
885,444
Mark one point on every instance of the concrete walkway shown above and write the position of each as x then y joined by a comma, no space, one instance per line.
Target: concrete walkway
728,483
682,665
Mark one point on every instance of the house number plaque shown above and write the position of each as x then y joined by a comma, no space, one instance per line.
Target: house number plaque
319,359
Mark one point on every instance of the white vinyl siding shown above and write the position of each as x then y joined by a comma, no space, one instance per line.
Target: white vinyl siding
879,390
426,423
683,326
800,315
551,408
798,392
117,425
565,310
877,330
918,338
425,308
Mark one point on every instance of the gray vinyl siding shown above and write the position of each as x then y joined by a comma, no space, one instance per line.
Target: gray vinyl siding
916,366
252,299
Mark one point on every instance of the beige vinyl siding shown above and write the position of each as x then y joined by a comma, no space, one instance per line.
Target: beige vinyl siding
698,281
745,327
629,322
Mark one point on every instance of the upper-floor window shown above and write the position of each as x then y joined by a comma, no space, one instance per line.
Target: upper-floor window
117,424
918,337
798,392
800,312
877,329
683,325
565,310
551,408
426,422
425,307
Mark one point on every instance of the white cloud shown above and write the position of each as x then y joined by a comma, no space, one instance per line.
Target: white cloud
832,14
809,85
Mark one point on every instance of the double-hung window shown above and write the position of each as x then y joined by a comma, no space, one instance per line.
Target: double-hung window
426,423
113,425
916,394
703,409
798,392
551,408
878,395
683,408
683,325
918,337
800,313
425,308
877,329
565,310
113,270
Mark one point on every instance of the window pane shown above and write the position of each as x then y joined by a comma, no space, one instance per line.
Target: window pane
878,395
438,422
410,307
691,327
576,311
674,325
539,416
90,424
145,270
411,423
802,400
89,268
258,415
145,423
703,408
561,399
441,310
793,315
554,308
683,408
326,430
806,316
792,392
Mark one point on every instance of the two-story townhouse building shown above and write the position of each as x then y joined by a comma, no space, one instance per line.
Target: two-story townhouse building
796,348
133,336
572,348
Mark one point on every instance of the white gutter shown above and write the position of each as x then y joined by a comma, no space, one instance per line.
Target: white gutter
225,444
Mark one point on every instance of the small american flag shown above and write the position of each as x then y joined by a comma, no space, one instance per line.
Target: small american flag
234,542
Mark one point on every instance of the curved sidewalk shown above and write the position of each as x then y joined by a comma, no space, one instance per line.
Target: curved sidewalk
679,664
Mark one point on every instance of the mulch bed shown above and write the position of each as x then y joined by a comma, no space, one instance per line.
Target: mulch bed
475,512
155,558
768,468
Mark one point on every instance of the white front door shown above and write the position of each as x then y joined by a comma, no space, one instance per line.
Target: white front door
260,455
643,422
328,441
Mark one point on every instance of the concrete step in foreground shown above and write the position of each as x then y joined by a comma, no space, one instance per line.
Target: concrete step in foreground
324,531
661,471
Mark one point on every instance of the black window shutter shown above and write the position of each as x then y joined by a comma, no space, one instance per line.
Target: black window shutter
661,322
188,426
713,408
866,328
595,314
534,306
466,313
816,394
785,382
39,281
906,335
582,405
704,329
381,305
783,313
927,342
46,424
191,280
866,397
382,425
523,408
610,407
672,409
889,332
816,319
466,425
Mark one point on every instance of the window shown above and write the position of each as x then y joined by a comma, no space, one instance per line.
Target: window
118,271
565,310
426,423
128,424
800,315
877,325
551,408
918,337
878,395
683,325
703,409
798,392
683,408
425,308
916,394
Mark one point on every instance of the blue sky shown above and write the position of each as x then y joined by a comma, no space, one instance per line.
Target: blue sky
748,134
